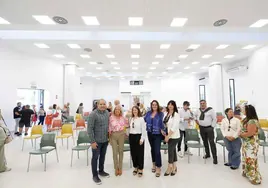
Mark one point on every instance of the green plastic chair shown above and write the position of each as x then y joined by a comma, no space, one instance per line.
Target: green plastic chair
263,142
47,140
70,119
220,141
192,135
83,138
127,149
164,146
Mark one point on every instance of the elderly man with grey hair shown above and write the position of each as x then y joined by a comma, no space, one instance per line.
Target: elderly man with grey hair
98,133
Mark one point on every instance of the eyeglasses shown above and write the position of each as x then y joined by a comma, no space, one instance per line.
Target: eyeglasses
229,128
133,124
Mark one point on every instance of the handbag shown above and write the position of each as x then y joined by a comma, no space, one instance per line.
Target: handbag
8,137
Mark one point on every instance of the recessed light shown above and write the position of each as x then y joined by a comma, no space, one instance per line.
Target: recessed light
152,68
135,68
71,63
135,21
155,63
41,45
135,63
164,46
195,62
105,46
98,68
117,68
164,72
194,46
204,68
183,56
249,47
93,63
42,19
170,68
135,46
206,56
85,56
89,73
135,56
159,56
74,46
222,46
176,62
60,56
110,56
260,23
90,20
149,72
228,56
186,67
80,68
178,22
114,63
3,21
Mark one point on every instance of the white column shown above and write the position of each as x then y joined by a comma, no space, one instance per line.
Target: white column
215,99
71,87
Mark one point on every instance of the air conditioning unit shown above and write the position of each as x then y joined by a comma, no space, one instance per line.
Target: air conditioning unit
238,69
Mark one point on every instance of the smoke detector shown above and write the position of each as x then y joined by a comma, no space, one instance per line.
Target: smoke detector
220,22
88,49
60,20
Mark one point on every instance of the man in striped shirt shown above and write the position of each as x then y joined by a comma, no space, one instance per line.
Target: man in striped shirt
98,134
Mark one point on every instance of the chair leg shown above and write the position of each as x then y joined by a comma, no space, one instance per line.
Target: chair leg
264,154
78,154
198,151
42,158
62,141
29,163
72,158
67,143
223,148
22,145
32,143
45,163
57,155
87,157
188,159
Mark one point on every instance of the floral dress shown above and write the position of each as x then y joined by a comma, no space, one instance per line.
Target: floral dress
250,149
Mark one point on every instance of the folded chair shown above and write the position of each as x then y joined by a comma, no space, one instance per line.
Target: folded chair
83,138
66,133
47,140
36,133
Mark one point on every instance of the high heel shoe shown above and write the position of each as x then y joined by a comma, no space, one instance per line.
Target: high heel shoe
168,171
174,172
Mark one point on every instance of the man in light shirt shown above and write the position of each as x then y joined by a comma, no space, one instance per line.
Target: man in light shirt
185,120
206,119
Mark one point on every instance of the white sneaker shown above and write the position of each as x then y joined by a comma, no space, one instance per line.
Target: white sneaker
188,153
180,154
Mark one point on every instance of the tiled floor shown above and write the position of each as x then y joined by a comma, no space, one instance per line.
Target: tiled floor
61,175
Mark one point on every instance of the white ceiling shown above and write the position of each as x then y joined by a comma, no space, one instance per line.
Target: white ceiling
24,31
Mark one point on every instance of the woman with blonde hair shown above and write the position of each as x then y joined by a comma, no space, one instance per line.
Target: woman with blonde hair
117,124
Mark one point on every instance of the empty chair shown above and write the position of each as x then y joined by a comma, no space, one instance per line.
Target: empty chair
263,142
66,133
80,124
70,119
83,138
36,133
56,125
47,140
220,141
193,141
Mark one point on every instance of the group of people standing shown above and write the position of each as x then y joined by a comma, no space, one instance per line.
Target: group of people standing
170,127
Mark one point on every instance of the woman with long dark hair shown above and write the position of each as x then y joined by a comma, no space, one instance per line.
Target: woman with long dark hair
250,147
136,140
154,125
172,135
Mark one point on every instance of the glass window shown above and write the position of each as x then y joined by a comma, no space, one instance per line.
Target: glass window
202,92
232,93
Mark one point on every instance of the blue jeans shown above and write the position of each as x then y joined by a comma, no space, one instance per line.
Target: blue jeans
155,143
98,153
234,154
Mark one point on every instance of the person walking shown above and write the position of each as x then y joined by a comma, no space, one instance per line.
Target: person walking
206,119
41,115
98,123
25,120
17,116
137,133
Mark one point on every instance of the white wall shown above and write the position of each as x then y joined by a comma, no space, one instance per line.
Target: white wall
18,71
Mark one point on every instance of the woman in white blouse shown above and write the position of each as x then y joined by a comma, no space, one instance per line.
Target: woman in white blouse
230,129
136,140
172,135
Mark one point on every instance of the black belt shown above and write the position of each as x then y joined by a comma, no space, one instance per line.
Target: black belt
206,126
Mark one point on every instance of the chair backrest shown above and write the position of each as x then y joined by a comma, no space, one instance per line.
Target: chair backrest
263,123
261,135
126,141
83,138
80,123
219,113
219,135
70,119
57,123
78,116
37,130
48,139
67,129
192,135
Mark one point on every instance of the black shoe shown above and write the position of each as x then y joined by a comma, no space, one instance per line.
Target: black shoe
206,157
16,133
25,134
104,174
227,164
19,134
97,180
233,168
215,161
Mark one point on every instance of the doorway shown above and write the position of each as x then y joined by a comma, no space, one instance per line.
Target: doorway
32,96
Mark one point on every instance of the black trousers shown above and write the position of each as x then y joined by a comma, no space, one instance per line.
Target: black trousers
207,134
172,153
155,143
182,135
41,120
136,151
98,154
